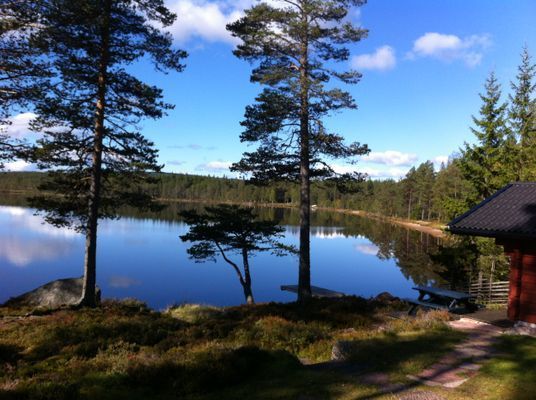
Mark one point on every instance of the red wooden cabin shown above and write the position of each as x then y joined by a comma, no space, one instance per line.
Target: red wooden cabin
509,216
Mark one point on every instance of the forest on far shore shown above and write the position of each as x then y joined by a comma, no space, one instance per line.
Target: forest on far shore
434,195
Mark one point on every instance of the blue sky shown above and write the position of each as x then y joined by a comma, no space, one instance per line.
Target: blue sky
423,65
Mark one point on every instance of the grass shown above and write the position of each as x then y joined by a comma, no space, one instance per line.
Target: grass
510,375
124,350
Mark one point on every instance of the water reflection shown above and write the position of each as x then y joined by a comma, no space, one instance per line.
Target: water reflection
367,249
122,282
23,217
43,242
21,253
141,256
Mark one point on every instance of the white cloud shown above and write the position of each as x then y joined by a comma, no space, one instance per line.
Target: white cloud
41,241
19,217
391,157
21,253
369,249
204,19
450,48
19,126
215,166
440,160
389,173
382,59
18,166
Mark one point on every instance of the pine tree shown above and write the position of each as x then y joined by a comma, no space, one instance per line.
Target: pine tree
90,112
522,118
225,230
425,177
295,44
409,188
485,164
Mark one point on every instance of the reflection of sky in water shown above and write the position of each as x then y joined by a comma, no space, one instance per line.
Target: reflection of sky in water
40,242
369,249
145,259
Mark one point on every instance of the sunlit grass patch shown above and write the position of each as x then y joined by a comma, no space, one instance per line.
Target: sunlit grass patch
400,352
509,374
194,313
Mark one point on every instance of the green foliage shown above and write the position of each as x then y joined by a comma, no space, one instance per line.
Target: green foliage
485,164
294,47
379,197
228,229
522,119
276,332
88,45
294,53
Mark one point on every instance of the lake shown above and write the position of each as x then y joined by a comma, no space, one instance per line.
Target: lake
142,257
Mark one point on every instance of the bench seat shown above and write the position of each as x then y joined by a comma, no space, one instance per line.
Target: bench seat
417,303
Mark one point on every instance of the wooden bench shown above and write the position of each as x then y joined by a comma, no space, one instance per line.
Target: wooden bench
441,299
415,304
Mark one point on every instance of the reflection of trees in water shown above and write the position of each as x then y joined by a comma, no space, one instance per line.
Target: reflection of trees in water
414,252
411,250
421,257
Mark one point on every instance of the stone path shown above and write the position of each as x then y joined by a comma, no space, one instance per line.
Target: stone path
452,370
465,360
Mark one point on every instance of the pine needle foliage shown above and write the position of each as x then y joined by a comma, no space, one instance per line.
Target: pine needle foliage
225,230
90,112
295,46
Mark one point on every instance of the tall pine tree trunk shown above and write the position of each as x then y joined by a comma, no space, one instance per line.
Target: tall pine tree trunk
246,285
88,298
304,279
409,206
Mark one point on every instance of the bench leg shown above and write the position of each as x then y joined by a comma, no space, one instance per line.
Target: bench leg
413,310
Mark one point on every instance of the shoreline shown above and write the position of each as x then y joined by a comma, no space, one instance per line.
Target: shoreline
420,226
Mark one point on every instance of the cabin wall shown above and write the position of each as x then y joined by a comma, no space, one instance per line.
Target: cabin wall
522,296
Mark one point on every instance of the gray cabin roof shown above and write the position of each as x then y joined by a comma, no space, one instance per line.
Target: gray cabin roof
509,213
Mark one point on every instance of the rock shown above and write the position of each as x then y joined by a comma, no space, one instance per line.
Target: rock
523,328
341,350
385,297
62,292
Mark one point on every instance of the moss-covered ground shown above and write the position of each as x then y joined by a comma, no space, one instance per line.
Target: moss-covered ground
124,350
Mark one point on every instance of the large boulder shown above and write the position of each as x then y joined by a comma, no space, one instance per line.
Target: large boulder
63,292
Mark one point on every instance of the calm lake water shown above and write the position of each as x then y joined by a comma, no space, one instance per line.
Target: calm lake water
141,256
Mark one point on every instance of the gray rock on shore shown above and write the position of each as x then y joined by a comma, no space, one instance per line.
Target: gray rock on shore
62,292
